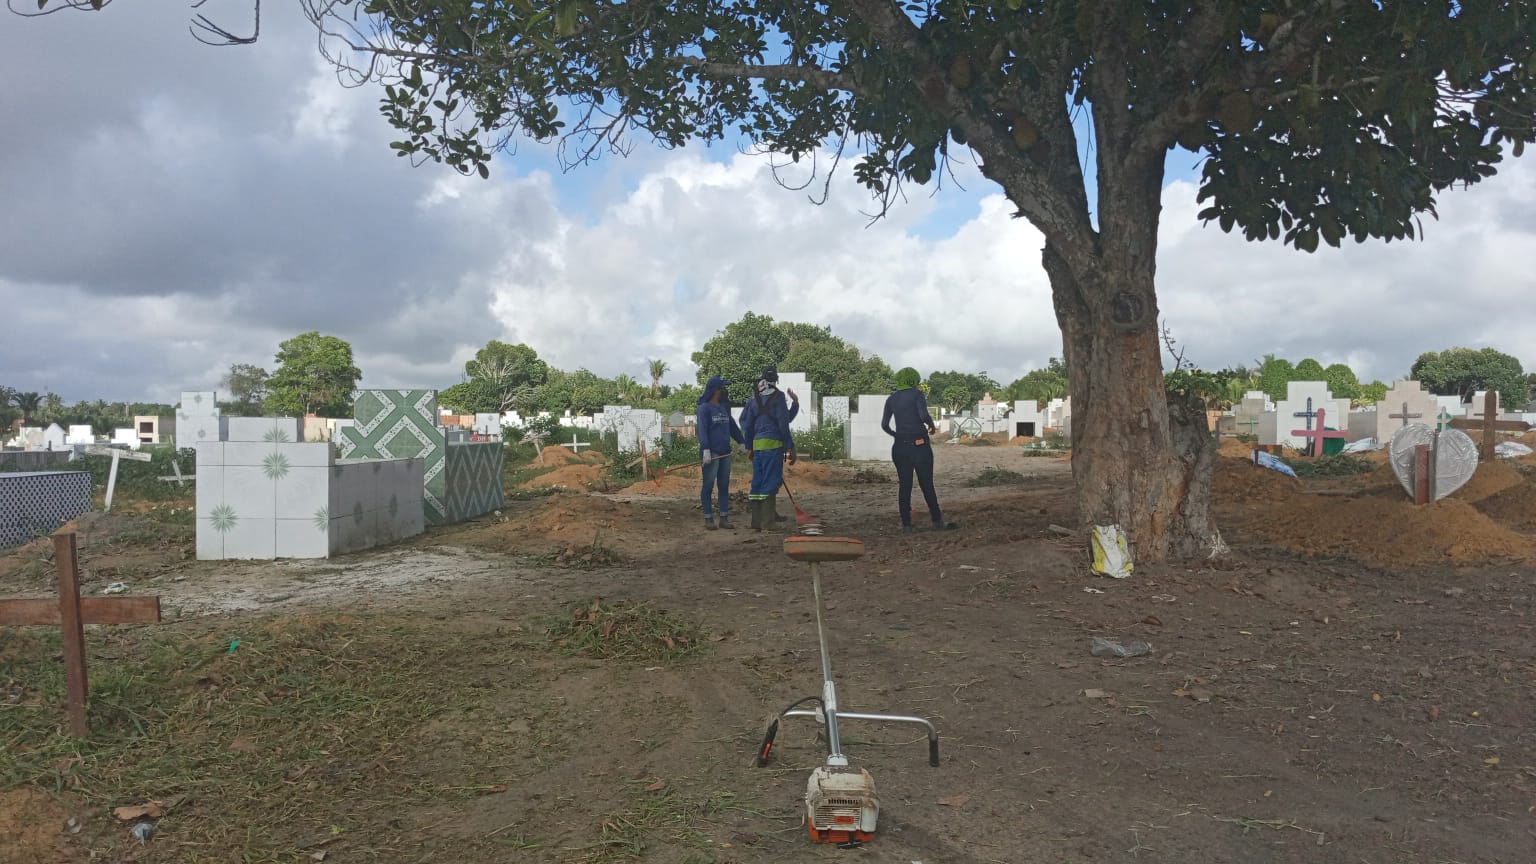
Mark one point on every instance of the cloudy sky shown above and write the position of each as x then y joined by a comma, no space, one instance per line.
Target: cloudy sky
167,209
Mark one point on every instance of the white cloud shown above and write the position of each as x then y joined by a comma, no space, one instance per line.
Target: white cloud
177,209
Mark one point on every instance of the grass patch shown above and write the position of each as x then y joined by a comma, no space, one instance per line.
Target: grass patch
1342,465
870,476
626,631
996,477
657,818
310,734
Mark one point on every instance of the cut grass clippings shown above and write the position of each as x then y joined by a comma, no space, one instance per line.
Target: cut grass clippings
308,734
621,630
1341,465
996,477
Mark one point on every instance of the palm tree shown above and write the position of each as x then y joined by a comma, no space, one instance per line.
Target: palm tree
659,369
625,385
27,404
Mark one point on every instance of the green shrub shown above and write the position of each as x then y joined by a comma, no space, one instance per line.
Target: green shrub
1342,465
822,444
994,476
141,480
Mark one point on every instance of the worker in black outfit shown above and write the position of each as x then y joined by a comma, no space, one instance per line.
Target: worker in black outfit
907,408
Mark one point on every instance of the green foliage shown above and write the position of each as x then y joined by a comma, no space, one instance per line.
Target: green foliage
1341,465
1463,371
994,476
956,398
1372,393
1274,374
246,386
1310,370
1342,382
1209,387
314,375
823,444
742,349
976,387
27,405
141,480
1041,385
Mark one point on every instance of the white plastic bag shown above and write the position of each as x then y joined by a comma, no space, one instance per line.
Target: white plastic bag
1510,450
1111,554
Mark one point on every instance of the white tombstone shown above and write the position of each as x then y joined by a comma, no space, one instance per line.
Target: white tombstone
30,437
1247,415
804,421
1413,396
630,426
863,435
1452,405
54,437
1297,394
81,435
834,410
488,424
1057,411
1362,424
198,419
1267,430
1026,420
128,437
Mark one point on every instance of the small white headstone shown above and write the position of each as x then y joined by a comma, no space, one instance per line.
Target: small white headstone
1297,394
1418,401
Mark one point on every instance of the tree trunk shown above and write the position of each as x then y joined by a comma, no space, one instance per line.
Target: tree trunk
1140,460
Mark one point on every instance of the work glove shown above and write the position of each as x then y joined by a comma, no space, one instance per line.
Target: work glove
793,457
708,455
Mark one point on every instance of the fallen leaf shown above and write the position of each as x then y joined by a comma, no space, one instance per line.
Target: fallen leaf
667,641
1152,620
152,810
318,856
1375,697
657,786
1491,760
1433,712
1096,693
954,801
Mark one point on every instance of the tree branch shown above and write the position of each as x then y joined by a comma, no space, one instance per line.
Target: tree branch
1055,211
790,73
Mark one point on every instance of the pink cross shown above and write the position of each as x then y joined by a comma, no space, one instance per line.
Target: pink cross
1317,435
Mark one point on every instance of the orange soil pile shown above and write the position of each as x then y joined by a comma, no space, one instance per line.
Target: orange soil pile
1491,479
1514,507
555,456
676,483
575,476
1242,482
1385,528
31,826
1235,448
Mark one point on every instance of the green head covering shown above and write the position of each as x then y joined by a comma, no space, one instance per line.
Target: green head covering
907,379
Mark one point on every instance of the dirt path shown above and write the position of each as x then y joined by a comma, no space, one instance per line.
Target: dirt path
1292,711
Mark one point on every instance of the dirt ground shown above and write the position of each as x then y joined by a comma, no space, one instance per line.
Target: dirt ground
1351,684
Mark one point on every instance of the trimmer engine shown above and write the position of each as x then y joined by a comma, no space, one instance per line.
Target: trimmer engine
840,805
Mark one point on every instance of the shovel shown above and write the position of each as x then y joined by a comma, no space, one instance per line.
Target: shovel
665,471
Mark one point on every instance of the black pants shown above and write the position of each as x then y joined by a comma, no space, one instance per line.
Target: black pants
911,457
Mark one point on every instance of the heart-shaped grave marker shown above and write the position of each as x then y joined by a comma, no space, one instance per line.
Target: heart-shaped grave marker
1455,460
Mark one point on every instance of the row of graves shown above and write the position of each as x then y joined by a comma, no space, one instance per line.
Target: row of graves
1433,443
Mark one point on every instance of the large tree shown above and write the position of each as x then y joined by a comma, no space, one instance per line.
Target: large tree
246,385
314,375
1463,371
1315,121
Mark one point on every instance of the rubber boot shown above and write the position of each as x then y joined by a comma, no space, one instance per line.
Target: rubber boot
771,518
757,514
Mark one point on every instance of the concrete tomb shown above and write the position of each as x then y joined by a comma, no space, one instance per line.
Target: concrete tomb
1298,410
864,438
1405,404
1026,421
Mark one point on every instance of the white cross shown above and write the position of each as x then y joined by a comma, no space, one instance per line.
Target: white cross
577,445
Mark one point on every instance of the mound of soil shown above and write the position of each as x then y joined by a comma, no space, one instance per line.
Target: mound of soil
1240,481
678,483
31,828
1491,479
555,455
573,476
1515,507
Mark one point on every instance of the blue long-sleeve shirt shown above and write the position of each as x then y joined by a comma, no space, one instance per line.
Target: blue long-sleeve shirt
909,409
770,423
717,427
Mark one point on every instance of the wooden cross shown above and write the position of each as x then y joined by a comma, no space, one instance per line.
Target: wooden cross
643,461
116,453
1489,425
1405,416
72,613
1317,435
1309,414
577,445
